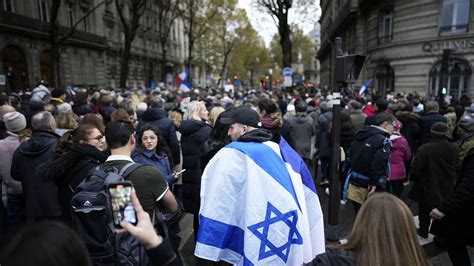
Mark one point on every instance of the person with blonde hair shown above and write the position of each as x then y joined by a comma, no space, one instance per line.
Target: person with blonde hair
383,234
194,133
215,112
65,122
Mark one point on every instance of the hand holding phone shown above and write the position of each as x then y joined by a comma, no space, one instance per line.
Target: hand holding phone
122,206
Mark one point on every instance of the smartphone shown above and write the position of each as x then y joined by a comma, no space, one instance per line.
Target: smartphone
122,205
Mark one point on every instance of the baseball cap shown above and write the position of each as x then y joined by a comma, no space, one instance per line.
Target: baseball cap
244,116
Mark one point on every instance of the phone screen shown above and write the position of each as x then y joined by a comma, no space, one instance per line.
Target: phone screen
122,206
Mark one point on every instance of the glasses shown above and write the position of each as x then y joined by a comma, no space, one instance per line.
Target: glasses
98,138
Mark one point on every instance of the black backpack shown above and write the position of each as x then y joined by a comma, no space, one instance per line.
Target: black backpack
93,220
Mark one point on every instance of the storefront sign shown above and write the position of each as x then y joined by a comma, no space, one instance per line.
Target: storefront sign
448,44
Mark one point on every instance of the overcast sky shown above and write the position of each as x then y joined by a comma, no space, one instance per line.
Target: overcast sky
265,26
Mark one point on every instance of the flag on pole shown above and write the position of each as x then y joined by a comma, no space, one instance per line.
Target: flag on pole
259,208
365,87
183,78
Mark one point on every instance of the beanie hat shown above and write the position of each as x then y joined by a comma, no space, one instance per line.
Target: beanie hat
14,121
467,123
440,129
56,93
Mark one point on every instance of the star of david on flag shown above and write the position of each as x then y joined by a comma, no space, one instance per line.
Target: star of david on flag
262,229
259,207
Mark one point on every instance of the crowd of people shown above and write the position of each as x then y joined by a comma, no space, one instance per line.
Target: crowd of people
195,148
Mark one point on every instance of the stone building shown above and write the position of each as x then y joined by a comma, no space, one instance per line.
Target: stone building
403,42
91,56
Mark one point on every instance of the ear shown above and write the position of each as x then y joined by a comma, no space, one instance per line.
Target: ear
133,141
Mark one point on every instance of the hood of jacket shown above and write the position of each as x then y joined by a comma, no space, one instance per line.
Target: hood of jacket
59,169
370,131
189,127
154,114
40,142
257,135
301,118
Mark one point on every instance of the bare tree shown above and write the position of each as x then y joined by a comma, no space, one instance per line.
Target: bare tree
130,26
57,38
168,12
196,14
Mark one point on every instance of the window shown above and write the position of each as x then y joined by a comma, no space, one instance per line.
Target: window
85,21
385,78
386,25
454,16
43,10
459,74
7,5
70,14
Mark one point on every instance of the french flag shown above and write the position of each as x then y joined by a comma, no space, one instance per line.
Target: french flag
365,87
183,78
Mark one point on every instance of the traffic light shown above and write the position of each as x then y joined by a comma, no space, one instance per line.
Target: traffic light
348,68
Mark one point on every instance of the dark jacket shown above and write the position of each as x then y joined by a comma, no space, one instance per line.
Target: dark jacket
335,257
369,155
426,122
323,137
410,129
69,170
302,130
81,108
40,194
194,134
434,171
456,226
159,118
106,112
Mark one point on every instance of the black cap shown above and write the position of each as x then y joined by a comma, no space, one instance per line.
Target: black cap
244,116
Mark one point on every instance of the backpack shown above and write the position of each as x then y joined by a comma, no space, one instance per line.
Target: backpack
92,218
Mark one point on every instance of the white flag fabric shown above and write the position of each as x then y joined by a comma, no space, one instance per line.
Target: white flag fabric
259,207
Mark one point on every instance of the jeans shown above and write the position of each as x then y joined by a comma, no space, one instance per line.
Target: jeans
424,217
324,167
15,215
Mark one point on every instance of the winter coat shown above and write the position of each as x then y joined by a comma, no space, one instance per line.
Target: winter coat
159,118
159,160
358,119
194,134
456,226
323,137
81,108
336,257
399,157
302,130
434,171
410,129
106,112
426,122
69,170
369,155
7,148
40,194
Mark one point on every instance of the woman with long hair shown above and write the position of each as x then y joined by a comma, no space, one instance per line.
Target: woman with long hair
77,152
152,149
194,133
383,234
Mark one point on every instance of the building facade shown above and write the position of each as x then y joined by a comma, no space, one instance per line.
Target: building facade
91,55
403,42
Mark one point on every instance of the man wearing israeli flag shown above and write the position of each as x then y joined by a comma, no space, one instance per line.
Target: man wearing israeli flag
258,202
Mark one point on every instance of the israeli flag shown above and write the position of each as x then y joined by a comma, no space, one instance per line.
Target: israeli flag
259,207
365,87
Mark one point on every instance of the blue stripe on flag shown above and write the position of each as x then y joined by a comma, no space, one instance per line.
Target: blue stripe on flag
221,235
297,164
269,161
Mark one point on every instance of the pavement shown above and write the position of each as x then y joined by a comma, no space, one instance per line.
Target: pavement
436,254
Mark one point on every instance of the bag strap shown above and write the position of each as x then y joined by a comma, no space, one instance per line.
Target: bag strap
128,169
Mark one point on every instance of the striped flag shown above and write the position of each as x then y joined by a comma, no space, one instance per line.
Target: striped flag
183,78
259,207
365,87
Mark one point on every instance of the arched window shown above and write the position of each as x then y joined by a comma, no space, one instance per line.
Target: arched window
459,74
385,79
